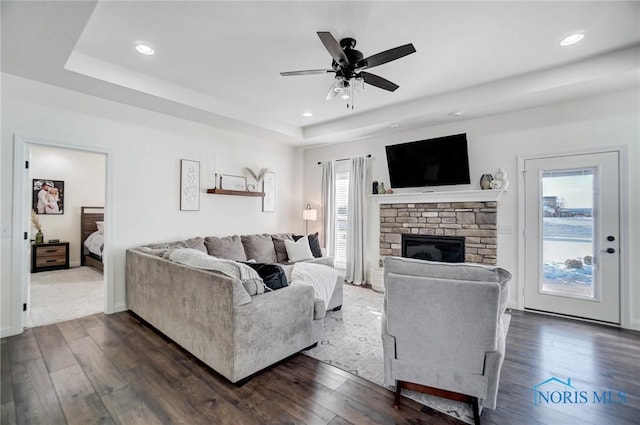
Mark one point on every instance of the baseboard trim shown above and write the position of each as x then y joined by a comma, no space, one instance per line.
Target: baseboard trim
117,308
634,325
8,331
513,305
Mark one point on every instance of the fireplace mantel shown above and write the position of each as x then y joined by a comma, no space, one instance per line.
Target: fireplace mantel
448,196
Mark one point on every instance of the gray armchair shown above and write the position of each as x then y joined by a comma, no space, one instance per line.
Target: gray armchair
444,328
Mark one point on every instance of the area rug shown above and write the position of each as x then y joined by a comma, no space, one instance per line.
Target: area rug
59,295
352,343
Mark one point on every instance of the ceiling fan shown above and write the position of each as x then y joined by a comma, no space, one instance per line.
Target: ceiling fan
349,66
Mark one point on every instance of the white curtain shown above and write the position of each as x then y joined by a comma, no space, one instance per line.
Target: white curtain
355,222
329,206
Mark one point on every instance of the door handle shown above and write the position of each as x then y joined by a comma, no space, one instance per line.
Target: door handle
608,250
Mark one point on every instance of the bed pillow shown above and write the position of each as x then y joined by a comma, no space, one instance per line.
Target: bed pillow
314,244
100,225
272,275
298,250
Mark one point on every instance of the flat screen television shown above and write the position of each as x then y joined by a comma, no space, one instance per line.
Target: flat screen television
432,162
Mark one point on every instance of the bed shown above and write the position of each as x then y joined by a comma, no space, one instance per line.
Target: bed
91,237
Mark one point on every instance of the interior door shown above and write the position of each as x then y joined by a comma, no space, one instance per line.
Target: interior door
572,235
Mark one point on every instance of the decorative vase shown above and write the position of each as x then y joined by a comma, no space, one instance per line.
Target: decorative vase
485,181
501,179
374,191
381,189
39,238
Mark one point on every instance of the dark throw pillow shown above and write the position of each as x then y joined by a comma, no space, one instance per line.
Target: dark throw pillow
314,244
272,275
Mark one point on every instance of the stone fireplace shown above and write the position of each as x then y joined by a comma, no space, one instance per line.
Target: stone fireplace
473,222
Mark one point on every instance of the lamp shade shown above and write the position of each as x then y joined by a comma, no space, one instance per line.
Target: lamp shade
310,214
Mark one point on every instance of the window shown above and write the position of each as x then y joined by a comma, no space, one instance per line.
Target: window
342,208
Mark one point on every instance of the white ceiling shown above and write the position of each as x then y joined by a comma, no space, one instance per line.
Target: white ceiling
219,62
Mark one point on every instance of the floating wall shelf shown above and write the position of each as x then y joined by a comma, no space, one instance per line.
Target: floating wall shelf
235,192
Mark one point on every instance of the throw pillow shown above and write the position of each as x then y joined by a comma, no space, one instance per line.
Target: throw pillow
229,247
314,244
272,275
278,244
298,250
259,248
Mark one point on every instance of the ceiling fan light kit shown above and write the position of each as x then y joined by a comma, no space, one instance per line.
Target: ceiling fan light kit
349,64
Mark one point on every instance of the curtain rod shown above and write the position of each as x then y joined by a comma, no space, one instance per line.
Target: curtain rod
345,159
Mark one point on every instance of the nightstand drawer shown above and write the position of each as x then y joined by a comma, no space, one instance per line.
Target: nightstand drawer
49,256
47,251
59,260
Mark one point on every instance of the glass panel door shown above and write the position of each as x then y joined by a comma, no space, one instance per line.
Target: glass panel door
568,232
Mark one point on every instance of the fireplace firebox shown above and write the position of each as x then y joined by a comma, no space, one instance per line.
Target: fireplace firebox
446,249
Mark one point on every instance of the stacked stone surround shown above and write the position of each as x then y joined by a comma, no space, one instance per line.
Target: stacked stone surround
476,221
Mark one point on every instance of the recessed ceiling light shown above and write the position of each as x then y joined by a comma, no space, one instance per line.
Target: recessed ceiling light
307,114
456,113
345,96
144,49
395,125
572,39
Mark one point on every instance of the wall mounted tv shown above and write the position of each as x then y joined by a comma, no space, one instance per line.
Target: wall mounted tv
433,162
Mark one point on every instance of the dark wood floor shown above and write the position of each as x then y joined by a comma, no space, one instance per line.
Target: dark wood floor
115,369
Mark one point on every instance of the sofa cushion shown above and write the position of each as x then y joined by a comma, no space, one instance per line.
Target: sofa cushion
250,279
278,245
314,244
229,247
259,248
272,275
298,250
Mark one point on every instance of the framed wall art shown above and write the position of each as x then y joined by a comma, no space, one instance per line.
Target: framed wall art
189,185
48,196
228,182
269,189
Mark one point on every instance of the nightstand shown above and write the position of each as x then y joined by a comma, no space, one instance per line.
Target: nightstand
49,256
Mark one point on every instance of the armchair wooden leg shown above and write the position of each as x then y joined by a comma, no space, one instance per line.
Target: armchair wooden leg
475,405
396,401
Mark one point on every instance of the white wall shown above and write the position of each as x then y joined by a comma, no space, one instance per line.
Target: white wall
145,149
83,174
495,141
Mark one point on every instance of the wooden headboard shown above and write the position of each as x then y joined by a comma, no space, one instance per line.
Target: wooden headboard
88,218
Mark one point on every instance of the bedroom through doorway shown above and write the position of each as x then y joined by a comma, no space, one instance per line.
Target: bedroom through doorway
66,278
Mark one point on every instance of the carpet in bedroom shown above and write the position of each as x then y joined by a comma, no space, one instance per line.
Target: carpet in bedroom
60,295
352,343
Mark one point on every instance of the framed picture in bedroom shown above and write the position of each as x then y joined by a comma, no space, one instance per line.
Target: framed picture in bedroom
47,196
189,185
269,189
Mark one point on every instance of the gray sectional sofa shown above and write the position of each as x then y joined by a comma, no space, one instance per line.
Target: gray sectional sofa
212,315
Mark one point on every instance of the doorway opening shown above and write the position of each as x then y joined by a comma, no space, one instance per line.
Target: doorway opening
60,286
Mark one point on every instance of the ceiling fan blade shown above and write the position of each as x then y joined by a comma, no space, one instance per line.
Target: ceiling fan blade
334,48
332,91
307,72
379,82
386,56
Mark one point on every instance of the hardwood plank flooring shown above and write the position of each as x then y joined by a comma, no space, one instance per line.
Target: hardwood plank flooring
118,370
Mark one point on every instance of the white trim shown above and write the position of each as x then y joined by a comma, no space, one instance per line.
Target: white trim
6,331
19,271
120,307
625,284
448,196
